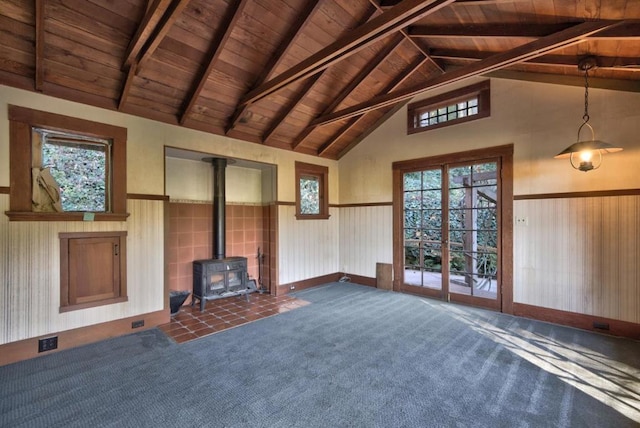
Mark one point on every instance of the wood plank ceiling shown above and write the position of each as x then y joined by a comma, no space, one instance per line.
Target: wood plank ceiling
313,76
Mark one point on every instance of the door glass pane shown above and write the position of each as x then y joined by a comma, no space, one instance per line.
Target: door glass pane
473,230
423,228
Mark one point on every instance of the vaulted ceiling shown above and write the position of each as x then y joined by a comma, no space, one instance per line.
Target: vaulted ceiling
312,76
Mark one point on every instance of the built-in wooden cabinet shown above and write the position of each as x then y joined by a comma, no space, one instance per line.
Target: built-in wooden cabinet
92,269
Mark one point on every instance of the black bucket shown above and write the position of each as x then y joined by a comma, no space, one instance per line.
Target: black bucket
176,299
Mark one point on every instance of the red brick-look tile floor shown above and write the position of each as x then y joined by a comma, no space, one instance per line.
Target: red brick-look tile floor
222,314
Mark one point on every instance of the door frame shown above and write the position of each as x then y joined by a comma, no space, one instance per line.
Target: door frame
505,236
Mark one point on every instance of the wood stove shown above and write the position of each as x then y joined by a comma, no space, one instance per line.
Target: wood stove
217,278
221,276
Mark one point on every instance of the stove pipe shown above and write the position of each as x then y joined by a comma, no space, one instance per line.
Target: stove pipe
219,204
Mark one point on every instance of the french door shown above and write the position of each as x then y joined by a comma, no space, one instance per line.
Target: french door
450,231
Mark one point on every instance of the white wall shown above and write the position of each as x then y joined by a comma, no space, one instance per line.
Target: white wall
540,120
193,180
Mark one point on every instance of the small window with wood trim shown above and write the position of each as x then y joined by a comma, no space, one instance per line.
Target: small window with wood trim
312,191
92,269
63,168
462,105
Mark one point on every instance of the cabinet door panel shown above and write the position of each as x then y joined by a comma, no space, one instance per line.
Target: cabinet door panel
94,269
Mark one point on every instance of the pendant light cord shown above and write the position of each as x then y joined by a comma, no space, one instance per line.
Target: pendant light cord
585,117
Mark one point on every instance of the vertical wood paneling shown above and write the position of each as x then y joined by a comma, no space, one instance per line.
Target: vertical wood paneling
30,272
145,255
579,255
306,248
366,238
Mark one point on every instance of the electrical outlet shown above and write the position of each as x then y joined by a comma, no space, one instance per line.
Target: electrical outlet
601,325
522,221
47,344
137,324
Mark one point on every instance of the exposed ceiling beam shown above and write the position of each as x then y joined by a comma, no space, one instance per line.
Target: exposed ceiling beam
564,38
233,14
487,30
614,63
415,44
566,80
391,21
276,58
155,11
394,84
39,36
171,15
126,88
386,4
628,30
382,56
302,93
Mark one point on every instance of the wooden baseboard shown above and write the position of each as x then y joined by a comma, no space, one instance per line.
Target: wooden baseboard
28,348
308,283
581,321
362,280
321,280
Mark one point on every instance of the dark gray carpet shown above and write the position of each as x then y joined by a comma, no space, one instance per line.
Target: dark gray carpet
355,357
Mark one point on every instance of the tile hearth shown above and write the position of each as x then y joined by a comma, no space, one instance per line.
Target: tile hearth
222,314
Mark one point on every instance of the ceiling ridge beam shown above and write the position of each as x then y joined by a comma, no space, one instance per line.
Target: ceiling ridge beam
382,56
363,36
232,15
564,38
394,84
276,58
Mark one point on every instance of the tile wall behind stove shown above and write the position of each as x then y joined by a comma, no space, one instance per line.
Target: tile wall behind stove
190,238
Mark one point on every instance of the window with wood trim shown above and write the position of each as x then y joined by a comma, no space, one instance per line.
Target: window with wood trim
462,105
63,168
92,269
312,191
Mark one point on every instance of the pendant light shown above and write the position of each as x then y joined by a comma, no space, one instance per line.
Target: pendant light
586,155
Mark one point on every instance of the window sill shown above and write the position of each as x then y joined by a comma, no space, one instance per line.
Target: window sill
37,216
312,217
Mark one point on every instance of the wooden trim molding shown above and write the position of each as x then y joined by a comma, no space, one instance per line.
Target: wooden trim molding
21,122
577,320
144,197
4,190
504,156
28,348
591,194
365,205
33,216
321,173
